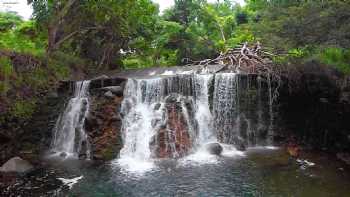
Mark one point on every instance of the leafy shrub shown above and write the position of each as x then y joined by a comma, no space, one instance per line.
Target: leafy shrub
6,70
23,108
135,62
8,21
337,57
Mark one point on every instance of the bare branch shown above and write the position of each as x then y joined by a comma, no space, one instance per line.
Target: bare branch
245,58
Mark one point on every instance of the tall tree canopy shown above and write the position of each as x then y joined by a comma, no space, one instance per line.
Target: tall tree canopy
95,30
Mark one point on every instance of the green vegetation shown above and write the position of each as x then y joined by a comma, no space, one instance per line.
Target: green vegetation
305,30
72,39
25,73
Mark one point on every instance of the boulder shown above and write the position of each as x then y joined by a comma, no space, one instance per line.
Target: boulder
63,154
214,148
157,106
116,90
109,94
101,77
83,152
16,164
345,157
52,95
239,143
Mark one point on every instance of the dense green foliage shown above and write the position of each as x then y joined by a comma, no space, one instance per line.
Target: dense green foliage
307,30
72,39
25,74
191,29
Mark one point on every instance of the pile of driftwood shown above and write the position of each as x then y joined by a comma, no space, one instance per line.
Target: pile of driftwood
248,59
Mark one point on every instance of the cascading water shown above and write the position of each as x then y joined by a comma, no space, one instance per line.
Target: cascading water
225,106
70,138
203,115
173,116
138,126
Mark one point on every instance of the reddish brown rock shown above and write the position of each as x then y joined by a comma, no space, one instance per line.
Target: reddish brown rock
173,140
103,127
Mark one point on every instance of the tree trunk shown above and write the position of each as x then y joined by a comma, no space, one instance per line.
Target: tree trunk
52,34
222,34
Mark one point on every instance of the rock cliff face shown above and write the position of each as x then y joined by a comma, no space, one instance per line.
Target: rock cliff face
103,125
315,111
315,108
175,138
30,139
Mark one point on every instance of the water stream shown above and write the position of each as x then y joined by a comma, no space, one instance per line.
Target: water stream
70,139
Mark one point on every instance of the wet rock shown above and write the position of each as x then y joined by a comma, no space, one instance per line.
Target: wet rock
344,157
101,77
98,157
173,138
91,121
293,150
109,94
157,106
212,68
239,143
83,150
63,154
52,95
214,148
345,97
323,100
103,125
304,164
16,164
172,98
116,90
116,117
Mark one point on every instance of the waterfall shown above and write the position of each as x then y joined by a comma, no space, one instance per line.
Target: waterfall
174,116
226,106
70,138
150,120
203,115
138,112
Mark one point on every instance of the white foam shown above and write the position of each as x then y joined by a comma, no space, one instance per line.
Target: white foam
62,155
70,182
272,147
202,156
135,166
305,163
265,147
168,72
231,151
152,73
186,72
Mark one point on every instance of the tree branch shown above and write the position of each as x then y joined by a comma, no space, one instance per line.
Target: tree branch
57,44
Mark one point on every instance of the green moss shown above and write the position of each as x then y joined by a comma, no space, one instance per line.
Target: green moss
6,70
4,88
23,108
108,153
337,57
